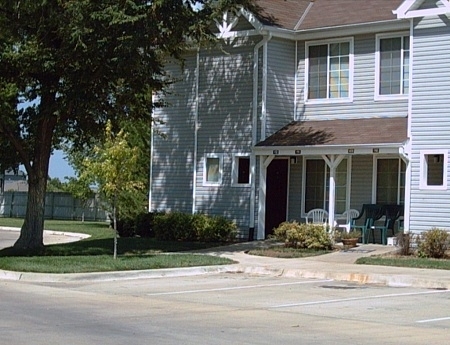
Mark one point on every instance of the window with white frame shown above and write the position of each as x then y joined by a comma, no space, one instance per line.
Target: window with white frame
433,169
393,64
212,169
316,185
390,181
329,67
241,170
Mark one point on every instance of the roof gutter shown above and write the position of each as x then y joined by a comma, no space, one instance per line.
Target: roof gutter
341,30
353,149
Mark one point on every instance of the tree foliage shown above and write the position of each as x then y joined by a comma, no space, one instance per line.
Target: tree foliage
113,169
68,66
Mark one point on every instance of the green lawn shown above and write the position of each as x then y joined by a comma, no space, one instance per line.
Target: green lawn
405,261
95,253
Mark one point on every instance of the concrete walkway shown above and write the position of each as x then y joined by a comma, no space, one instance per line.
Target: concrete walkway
338,265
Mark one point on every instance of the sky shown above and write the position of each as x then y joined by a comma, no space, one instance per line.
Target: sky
59,168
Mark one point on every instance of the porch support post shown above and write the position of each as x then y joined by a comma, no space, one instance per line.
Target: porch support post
332,161
405,153
264,162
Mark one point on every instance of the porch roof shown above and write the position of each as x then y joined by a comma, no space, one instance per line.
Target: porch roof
370,132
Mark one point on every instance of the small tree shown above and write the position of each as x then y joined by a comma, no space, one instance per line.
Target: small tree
112,168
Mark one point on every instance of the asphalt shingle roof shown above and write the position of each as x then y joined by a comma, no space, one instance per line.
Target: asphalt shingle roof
290,14
388,130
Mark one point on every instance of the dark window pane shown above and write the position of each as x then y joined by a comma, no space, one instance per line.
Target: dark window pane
244,170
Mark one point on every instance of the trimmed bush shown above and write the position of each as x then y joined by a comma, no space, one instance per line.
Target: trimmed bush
177,226
144,224
125,227
434,243
214,228
306,236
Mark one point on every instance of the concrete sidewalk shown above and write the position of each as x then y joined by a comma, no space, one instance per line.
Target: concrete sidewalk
338,265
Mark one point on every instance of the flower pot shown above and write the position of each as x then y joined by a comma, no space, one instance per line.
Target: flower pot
349,242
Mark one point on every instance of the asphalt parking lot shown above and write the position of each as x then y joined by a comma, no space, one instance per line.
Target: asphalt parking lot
221,309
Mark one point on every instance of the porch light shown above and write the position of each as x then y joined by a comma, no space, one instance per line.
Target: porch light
351,150
376,150
298,152
275,152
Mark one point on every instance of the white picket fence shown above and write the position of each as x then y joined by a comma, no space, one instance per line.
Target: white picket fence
57,206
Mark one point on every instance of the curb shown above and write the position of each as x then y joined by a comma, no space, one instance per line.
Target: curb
51,232
360,278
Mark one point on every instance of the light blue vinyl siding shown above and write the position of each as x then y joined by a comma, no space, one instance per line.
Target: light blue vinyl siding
363,104
225,127
173,153
430,118
280,84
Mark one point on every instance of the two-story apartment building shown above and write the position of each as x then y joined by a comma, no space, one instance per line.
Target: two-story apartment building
311,104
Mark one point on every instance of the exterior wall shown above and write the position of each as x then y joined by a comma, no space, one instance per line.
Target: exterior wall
363,104
225,126
173,155
222,107
430,118
280,84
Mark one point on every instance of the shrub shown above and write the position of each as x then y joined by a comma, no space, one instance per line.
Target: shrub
125,227
434,243
144,224
408,243
296,235
214,228
173,226
178,226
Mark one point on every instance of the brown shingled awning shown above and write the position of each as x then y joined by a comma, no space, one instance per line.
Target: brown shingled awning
388,131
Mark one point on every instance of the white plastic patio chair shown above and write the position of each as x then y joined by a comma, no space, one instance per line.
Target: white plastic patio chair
317,216
348,216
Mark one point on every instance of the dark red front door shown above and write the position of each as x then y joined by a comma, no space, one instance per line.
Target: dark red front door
276,194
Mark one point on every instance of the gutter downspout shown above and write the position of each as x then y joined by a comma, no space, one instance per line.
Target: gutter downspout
196,127
151,160
255,129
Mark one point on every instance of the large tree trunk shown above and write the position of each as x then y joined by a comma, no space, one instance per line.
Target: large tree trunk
32,232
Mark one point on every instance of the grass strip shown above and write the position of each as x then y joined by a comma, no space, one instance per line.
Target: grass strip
406,261
95,254
106,263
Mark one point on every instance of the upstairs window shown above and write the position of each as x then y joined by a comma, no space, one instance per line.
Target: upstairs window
329,67
393,66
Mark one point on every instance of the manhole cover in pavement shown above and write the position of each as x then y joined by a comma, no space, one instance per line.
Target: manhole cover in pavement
340,287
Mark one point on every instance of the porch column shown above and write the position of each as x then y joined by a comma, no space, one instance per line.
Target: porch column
264,162
332,162
405,153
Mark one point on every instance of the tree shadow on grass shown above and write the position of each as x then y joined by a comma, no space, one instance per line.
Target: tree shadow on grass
125,246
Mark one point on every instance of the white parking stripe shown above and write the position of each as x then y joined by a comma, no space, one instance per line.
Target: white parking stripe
237,288
358,298
434,320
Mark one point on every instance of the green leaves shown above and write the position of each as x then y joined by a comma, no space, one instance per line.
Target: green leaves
113,166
